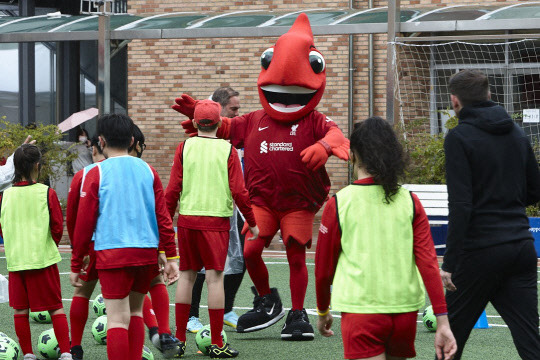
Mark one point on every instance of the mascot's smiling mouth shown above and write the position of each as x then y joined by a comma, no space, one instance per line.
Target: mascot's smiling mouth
287,99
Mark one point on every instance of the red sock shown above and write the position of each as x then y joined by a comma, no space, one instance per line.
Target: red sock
78,315
296,255
61,331
22,329
160,299
255,264
216,325
136,337
118,344
182,317
149,315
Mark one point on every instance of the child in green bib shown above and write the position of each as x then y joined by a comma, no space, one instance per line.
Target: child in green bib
375,248
31,224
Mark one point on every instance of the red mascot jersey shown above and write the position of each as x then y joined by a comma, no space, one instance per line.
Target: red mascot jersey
274,172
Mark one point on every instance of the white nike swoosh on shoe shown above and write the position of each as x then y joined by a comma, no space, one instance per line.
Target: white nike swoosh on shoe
271,310
261,129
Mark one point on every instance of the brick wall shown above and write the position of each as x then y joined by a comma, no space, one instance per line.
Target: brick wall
160,70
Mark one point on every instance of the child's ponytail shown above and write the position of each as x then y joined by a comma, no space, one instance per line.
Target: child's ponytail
24,159
377,148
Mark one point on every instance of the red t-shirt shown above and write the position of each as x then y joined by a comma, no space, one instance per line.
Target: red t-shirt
329,249
273,169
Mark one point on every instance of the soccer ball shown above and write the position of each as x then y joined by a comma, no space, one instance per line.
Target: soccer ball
99,330
204,339
99,306
9,349
429,319
42,317
48,345
147,354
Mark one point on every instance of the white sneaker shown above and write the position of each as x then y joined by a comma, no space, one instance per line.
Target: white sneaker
30,357
66,356
194,325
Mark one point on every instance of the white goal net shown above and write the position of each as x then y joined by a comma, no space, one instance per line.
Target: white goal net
423,70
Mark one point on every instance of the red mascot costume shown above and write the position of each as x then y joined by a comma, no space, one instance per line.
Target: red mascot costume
287,144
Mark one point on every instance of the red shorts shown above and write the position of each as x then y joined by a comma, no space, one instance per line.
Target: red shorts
368,335
37,290
118,283
296,224
202,248
91,271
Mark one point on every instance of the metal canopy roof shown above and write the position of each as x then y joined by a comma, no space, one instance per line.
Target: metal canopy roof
256,23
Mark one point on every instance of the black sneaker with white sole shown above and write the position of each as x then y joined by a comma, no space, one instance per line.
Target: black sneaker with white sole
297,327
267,310
168,345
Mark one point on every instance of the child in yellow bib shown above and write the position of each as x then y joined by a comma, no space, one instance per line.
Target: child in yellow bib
31,223
375,247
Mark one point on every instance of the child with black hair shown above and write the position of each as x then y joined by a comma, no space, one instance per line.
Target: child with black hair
78,312
156,310
122,200
34,281
374,244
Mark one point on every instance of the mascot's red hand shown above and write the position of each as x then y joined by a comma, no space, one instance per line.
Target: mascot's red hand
188,126
185,105
315,156
337,143
334,143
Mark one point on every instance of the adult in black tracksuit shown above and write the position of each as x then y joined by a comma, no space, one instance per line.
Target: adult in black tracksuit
492,175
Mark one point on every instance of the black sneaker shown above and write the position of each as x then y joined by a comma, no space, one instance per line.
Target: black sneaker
168,345
224,352
77,352
297,327
182,349
267,310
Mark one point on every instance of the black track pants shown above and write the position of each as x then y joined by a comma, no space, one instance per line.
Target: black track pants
506,276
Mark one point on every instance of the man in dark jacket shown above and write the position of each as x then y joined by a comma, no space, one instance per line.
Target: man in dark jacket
492,175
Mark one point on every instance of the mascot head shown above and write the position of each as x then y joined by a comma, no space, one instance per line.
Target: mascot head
293,74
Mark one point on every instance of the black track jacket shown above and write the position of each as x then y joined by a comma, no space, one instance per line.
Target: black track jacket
492,175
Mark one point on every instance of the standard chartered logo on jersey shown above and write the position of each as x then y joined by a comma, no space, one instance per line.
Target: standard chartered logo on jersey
275,146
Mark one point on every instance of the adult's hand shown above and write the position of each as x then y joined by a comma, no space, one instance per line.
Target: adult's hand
447,281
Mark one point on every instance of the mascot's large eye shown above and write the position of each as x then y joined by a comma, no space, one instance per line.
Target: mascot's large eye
266,57
316,61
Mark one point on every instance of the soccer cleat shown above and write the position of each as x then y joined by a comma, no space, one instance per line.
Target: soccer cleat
267,310
168,345
194,325
230,319
224,352
77,352
66,356
182,349
297,327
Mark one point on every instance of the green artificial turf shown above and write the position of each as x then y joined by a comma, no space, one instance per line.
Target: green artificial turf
494,343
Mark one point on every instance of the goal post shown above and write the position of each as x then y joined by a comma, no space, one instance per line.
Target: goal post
423,70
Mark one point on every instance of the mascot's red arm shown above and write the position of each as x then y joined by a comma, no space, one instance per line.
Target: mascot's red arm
317,154
186,105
